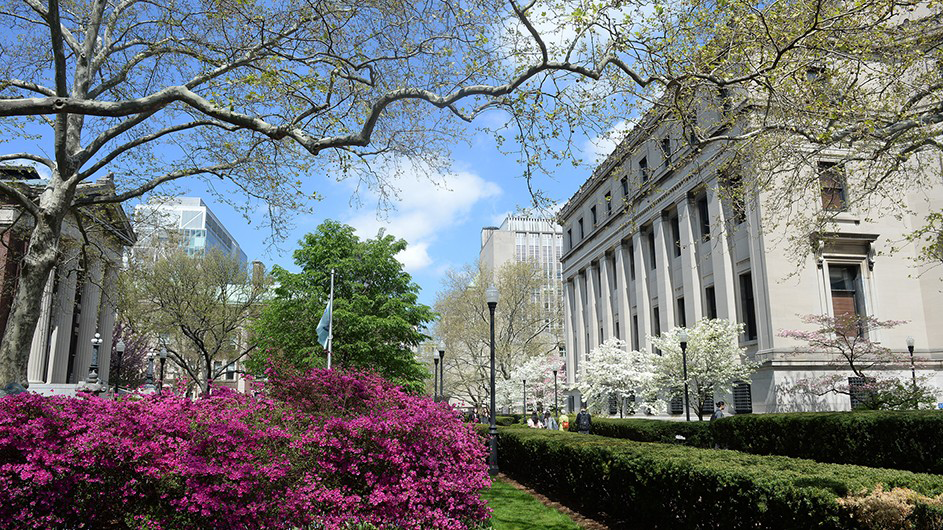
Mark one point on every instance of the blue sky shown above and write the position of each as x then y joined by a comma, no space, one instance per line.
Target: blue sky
441,223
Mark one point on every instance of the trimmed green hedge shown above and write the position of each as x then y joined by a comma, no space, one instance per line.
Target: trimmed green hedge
696,433
647,485
911,440
509,419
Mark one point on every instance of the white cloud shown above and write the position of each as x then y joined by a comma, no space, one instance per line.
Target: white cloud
595,150
426,206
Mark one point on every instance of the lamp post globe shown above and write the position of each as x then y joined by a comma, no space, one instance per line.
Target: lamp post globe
119,351
435,376
491,297
442,368
683,339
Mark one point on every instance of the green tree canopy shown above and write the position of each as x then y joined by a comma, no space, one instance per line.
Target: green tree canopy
378,320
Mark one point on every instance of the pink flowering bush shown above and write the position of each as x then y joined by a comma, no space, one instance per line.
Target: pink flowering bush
323,449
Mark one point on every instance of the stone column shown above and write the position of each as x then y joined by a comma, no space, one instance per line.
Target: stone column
622,296
689,266
569,330
580,330
88,323
666,299
764,324
642,301
63,309
107,320
720,257
606,299
592,300
39,350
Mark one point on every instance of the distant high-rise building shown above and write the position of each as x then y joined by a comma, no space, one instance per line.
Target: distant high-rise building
528,239
186,220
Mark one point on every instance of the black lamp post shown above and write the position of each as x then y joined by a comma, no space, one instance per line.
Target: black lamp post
91,383
435,376
683,337
163,360
491,296
913,372
442,373
524,381
555,409
149,379
119,350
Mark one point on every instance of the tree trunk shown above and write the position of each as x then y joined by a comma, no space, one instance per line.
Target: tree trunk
40,258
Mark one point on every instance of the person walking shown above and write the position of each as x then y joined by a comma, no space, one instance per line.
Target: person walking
549,422
534,422
721,411
584,422
564,422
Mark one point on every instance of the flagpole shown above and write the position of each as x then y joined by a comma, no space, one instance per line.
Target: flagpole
330,325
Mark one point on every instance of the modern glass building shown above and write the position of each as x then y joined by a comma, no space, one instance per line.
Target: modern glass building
187,220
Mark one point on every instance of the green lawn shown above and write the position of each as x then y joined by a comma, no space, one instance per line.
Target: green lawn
517,510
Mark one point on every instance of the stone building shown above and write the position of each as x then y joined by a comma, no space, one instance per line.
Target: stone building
80,296
652,241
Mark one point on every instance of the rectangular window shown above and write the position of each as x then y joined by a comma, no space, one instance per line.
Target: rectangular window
617,331
625,188
635,332
710,302
847,296
676,235
569,238
608,203
748,306
656,326
651,249
592,214
832,183
643,168
631,262
582,232
682,318
733,186
704,217
725,104
666,150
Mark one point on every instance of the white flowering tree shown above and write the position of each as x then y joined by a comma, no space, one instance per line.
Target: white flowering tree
611,371
538,373
714,361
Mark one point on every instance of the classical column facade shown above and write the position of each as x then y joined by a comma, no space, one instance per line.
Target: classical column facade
758,274
580,330
569,301
592,294
606,299
720,257
88,323
642,301
107,321
622,295
690,272
666,301
39,350
63,310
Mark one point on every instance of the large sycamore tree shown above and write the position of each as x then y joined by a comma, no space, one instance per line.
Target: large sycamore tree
261,93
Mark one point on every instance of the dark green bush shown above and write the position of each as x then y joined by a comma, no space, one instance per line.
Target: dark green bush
696,433
911,440
647,485
509,419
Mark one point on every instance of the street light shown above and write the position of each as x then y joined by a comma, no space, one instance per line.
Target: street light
442,375
913,372
555,409
683,337
149,379
119,349
525,396
435,376
491,296
163,359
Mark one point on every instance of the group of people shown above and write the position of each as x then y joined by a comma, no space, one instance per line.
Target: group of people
584,422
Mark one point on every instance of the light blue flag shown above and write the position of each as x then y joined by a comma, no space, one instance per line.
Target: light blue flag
323,328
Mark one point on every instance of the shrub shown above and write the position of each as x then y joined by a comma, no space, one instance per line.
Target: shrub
649,485
911,440
324,449
695,433
509,419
